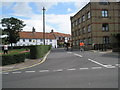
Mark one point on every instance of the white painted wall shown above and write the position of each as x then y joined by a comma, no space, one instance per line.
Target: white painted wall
52,42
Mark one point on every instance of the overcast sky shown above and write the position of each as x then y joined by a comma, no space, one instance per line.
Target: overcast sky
57,14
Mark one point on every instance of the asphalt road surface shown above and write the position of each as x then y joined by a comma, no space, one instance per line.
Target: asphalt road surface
68,69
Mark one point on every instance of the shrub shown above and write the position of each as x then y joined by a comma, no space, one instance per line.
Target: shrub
39,51
8,59
27,55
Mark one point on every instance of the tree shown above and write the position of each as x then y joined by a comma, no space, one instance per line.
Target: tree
12,27
3,38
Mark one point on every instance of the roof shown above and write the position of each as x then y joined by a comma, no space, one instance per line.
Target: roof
36,35
57,34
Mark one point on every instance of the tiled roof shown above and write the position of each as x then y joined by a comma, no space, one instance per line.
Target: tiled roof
57,34
36,35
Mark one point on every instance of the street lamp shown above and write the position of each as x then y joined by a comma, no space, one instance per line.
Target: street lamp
44,24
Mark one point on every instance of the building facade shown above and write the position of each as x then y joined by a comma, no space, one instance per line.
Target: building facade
36,38
61,38
95,24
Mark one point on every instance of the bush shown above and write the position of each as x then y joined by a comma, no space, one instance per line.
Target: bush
39,51
8,59
27,55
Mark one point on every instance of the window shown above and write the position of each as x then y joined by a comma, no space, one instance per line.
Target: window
89,40
83,30
88,15
23,40
89,28
83,18
76,22
79,31
105,40
105,27
41,40
79,20
30,40
50,40
72,25
104,13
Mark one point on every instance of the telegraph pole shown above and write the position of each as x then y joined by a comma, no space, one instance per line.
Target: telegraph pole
43,25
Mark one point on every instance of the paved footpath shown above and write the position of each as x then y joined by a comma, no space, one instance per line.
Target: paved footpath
68,69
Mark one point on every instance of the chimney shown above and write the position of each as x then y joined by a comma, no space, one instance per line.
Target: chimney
33,29
52,31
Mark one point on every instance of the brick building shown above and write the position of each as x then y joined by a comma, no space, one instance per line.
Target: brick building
96,23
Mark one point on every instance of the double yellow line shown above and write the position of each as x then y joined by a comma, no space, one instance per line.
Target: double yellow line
43,60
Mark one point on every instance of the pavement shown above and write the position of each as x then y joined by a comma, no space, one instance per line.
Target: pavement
33,62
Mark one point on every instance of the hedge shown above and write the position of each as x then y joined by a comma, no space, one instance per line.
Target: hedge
8,59
39,51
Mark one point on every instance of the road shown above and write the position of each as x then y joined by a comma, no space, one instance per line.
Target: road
68,69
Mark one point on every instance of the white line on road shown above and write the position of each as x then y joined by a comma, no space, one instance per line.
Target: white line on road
5,73
96,67
117,64
59,70
97,63
78,55
72,69
29,71
83,68
16,72
69,52
44,71
111,66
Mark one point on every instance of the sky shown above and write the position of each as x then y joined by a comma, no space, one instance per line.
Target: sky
57,13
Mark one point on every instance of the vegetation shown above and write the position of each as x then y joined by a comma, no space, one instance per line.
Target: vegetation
19,55
12,27
14,56
39,51
8,59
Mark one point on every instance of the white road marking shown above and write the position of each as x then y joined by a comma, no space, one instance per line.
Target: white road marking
71,69
117,64
69,52
5,73
83,68
44,71
29,71
78,55
96,67
97,63
59,70
111,66
16,72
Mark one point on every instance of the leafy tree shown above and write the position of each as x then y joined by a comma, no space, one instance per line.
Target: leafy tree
3,40
12,27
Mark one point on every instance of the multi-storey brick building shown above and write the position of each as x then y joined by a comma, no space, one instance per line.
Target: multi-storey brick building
96,23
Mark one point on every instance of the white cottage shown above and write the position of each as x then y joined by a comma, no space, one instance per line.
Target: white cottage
36,38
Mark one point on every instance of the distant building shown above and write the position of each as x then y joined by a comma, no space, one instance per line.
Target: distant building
96,23
61,38
36,38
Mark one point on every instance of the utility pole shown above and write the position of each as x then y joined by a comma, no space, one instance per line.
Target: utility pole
43,25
